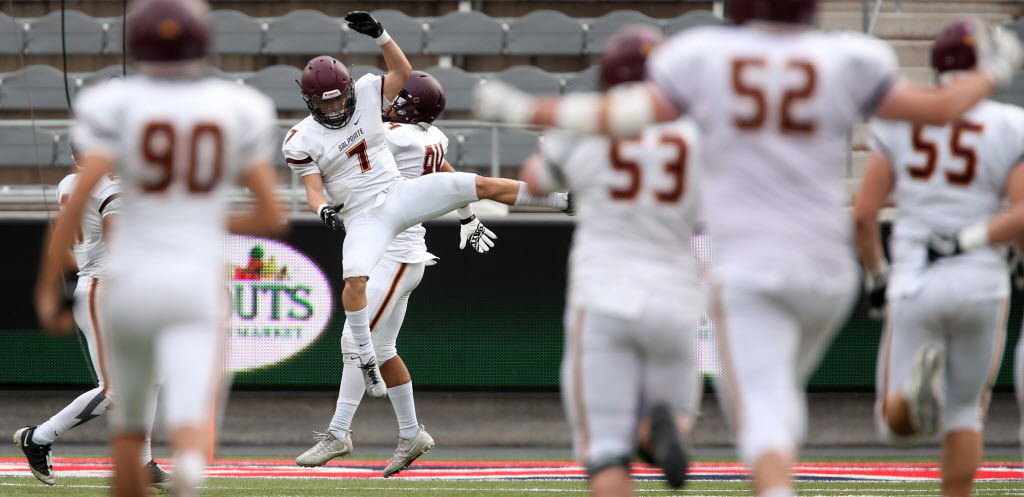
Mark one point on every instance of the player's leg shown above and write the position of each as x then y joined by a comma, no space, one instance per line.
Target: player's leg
35,441
671,382
130,352
910,368
414,201
366,239
336,441
190,358
976,337
413,440
758,337
601,394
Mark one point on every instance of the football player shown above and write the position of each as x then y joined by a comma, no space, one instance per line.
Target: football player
775,101
178,141
946,319
90,253
629,377
341,147
419,149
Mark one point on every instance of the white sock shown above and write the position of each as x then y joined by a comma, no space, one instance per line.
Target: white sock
405,410
85,407
359,323
779,492
557,200
147,450
349,395
188,472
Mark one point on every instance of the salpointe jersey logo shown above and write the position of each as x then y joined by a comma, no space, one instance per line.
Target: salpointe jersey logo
280,302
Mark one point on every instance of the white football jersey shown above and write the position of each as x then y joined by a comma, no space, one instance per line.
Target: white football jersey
177,145
418,150
947,178
774,110
89,247
354,161
638,210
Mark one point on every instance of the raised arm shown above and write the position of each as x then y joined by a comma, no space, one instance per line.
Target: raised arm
53,314
398,65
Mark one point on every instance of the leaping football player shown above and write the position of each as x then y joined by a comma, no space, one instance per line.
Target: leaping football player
629,378
342,147
419,149
946,315
774,100
90,254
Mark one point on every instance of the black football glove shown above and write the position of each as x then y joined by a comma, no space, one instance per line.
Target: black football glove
362,22
1016,264
329,215
875,287
940,246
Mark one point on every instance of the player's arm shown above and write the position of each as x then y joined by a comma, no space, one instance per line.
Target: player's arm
265,217
471,230
53,312
1003,228
398,65
875,187
621,111
999,56
318,203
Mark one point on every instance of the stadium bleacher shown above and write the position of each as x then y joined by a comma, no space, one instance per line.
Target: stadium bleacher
538,46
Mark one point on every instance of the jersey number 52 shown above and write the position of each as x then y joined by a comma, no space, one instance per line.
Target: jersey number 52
204,159
747,90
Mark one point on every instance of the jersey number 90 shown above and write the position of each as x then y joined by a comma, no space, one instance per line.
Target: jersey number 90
203,163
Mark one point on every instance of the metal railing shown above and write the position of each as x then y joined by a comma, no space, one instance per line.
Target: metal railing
37,197
869,15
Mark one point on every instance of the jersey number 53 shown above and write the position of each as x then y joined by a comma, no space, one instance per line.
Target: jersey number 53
674,168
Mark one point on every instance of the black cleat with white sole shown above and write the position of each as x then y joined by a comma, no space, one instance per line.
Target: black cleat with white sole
38,456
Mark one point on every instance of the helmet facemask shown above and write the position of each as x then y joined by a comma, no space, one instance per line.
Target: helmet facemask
334,109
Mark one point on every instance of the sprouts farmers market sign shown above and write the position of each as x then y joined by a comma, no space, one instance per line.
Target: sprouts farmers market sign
280,302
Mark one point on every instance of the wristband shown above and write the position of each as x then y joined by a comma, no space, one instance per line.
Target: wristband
580,112
468,220
973,237
383,38
464,212
320,209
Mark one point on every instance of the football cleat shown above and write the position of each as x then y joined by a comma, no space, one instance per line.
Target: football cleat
923,392
158,477
664,448
38,456
570,206
328,446
409,449
375,386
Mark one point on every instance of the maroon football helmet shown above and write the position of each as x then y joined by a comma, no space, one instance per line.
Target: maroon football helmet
954,48
169,30
420,101
328,91
625,55
783,11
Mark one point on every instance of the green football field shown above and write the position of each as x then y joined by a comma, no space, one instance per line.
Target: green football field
311,487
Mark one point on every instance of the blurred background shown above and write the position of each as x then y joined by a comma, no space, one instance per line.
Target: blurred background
483,334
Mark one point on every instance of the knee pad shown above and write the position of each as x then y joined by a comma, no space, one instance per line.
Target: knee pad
962,417
598,465
385,352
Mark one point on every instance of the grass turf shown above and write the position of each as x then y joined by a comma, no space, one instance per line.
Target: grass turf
267,487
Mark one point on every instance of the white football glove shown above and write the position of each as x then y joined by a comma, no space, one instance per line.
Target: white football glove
476,234
999,53
498,102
